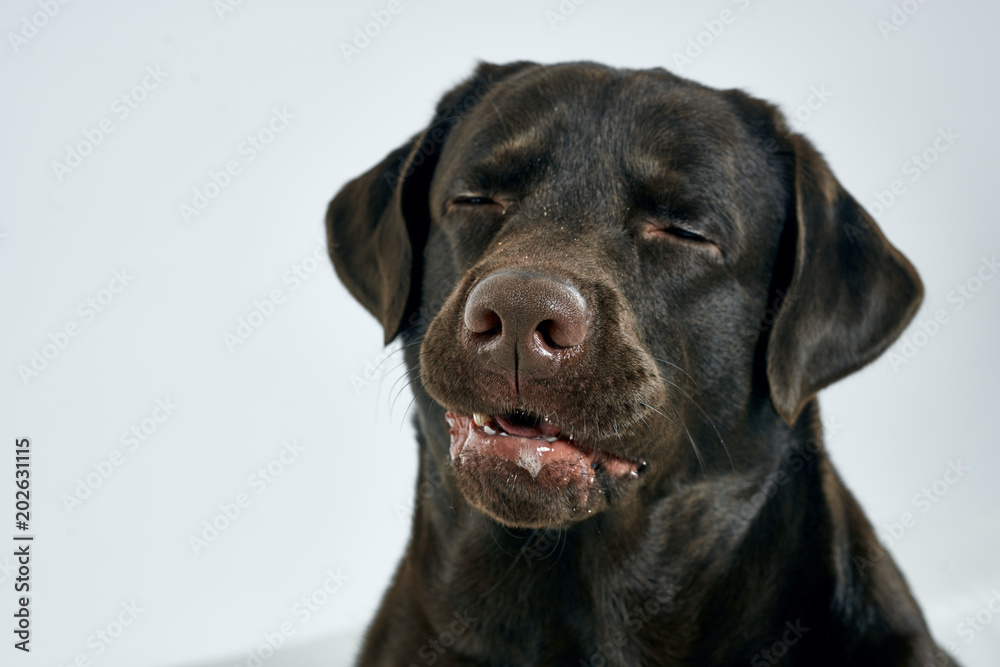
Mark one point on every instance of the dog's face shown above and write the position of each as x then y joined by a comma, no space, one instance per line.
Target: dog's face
617,279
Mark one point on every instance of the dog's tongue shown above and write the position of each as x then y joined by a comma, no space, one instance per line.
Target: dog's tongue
543,428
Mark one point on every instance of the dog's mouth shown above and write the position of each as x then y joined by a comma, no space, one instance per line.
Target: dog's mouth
535,444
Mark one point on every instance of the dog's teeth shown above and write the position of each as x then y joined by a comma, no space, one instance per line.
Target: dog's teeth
551,438
481,419
489,431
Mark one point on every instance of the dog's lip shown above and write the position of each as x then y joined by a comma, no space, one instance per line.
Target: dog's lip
532,447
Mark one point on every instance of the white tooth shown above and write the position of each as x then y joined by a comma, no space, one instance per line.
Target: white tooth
504,433
551,439
489,431
478,418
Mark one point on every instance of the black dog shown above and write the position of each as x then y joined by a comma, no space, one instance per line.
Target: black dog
618,293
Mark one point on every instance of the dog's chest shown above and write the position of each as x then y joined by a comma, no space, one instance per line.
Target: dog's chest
540,608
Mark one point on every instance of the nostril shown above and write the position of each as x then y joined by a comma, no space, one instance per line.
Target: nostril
566,330
483,321
544,328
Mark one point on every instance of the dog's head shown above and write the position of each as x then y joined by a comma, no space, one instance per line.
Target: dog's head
619,279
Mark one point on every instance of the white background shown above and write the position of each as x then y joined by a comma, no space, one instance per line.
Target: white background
340,505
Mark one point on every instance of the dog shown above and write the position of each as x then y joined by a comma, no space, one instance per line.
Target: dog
618,293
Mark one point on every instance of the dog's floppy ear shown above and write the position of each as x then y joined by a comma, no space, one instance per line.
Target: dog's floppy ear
377,224
849,292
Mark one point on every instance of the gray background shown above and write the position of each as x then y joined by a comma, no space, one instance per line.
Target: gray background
341,505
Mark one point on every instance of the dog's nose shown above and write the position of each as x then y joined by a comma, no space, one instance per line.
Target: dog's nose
526,322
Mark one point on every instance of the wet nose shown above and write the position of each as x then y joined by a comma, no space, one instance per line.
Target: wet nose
526,322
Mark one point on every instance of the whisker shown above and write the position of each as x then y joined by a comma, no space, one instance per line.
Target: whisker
712,423
658,412
427,415
419,376
394,352
677,367
392,403
386,374
409,405
406,379
404,376
694,446
645,423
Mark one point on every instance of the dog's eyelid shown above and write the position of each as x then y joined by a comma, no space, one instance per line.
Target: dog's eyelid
677,226
686,234
473,200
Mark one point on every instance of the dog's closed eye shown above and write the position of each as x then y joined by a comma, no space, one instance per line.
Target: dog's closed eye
678,232
472,199
475,201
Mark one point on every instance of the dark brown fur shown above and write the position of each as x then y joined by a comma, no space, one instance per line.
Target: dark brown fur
738,544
